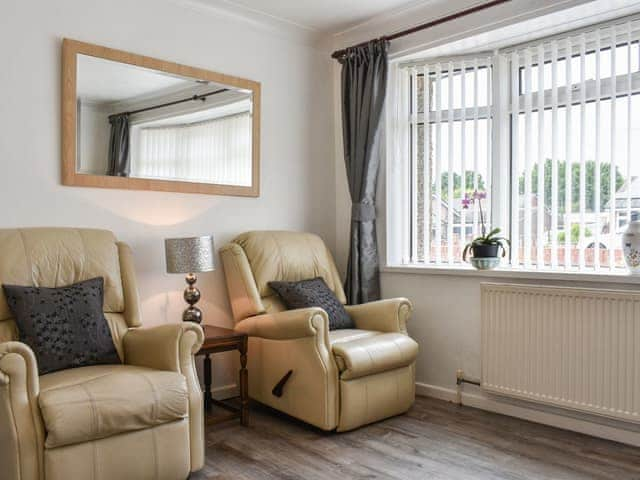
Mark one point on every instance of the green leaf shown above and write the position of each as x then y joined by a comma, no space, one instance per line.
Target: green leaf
493,232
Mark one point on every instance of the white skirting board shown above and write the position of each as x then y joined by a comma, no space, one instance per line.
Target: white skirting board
223,392
495,404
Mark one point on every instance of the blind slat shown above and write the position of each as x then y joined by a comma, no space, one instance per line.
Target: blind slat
404,153
515,162
488,154
450,171
568,155
476,139
438,194
554,156
583,159
597,180
463,181
629,120
540,201
612,142
528,125
414,165
426,165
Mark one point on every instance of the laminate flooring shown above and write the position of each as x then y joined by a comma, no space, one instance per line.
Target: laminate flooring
434,440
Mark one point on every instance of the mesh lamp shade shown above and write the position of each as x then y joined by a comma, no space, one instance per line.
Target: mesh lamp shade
190,255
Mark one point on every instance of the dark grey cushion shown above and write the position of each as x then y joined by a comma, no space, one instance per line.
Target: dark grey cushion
314,292
65,327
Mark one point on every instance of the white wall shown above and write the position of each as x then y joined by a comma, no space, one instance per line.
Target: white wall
446,318
297,181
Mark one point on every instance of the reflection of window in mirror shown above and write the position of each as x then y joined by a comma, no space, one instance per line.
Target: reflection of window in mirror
142,123
207,145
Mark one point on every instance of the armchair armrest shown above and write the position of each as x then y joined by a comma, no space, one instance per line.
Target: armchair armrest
172,347
21,428
162,347
383,315
287,325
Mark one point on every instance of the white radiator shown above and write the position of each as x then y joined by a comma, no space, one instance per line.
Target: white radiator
575,348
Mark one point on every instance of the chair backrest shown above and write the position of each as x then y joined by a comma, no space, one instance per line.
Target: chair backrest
55,257
254,259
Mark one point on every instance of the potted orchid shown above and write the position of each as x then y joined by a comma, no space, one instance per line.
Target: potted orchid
485,249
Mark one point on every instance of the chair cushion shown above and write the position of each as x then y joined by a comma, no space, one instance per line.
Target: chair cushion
313,292
64,326
89,403
374,354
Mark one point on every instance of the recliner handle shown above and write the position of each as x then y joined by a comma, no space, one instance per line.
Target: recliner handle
278,389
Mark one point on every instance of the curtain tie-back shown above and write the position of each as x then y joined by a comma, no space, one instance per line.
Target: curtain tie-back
363,212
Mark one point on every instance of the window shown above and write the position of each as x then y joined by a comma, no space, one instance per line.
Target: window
448,107
548,130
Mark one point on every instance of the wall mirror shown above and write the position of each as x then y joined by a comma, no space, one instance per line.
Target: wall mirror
136,122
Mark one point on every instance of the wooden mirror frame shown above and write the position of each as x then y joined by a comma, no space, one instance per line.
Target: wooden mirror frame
70,51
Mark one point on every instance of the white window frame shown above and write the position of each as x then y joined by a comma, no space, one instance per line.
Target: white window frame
397,178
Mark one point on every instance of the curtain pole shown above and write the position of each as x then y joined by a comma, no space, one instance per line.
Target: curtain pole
341,53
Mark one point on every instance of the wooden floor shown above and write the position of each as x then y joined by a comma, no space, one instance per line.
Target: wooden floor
435,440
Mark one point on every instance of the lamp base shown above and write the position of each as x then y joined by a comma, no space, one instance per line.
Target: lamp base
192,314
191,296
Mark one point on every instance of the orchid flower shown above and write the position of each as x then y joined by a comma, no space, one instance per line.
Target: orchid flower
479,195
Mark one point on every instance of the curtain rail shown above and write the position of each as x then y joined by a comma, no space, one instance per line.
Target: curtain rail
448,18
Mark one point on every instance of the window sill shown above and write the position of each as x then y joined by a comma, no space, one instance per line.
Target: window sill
505,272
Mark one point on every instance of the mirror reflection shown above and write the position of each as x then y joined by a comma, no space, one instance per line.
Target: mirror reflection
142,123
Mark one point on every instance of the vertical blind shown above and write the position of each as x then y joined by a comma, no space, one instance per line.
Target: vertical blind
564,110
212,151
574,132
447,142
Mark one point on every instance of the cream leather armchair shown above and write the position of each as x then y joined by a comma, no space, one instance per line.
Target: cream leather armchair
340,379
142,419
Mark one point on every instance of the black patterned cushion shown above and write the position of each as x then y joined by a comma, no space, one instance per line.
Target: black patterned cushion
65,327
314,292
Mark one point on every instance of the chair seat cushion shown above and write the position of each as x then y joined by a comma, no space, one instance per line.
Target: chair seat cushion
89,403
374,354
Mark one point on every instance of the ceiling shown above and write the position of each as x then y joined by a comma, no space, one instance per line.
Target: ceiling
323,16
105,81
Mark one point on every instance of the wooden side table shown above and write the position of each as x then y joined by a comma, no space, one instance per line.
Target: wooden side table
218,339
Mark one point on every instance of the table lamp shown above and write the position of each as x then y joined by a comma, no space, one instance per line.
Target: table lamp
190,255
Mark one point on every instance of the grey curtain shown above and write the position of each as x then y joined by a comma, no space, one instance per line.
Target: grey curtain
119,165
364,85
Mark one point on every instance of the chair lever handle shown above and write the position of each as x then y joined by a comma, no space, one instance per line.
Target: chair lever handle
277,390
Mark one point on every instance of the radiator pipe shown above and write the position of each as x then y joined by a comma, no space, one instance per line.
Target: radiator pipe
460,379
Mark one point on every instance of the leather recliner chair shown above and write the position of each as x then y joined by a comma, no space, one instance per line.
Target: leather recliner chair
339,379
142,419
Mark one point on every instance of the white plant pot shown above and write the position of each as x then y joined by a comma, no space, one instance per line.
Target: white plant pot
631,247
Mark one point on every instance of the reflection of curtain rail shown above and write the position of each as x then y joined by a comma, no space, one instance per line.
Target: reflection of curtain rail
198,122
202,97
